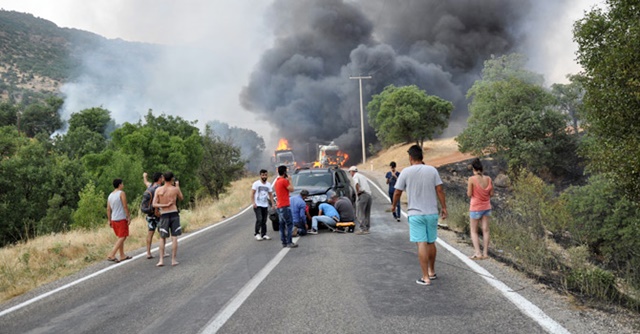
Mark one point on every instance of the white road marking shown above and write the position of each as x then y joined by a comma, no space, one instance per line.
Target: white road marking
111,267
527,307
234,304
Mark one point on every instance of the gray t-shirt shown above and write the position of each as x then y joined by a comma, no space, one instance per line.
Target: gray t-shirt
420,181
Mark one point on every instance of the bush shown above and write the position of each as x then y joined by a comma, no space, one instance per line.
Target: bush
593,282
92,208
609,223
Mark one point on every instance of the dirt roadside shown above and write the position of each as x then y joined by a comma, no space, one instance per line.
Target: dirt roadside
563,308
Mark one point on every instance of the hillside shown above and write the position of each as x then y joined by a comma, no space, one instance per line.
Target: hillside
37,56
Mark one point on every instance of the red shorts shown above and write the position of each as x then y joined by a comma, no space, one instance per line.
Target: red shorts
120,227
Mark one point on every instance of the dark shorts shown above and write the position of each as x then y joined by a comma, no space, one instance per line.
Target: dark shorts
169,225
152,222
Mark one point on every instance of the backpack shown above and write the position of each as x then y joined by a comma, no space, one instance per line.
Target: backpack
147,201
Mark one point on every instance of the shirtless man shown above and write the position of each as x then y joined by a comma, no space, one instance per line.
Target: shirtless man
165,198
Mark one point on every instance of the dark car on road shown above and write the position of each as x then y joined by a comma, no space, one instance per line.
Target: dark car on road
319,181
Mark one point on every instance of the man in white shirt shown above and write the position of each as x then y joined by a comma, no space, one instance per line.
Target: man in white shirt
261,197
424,190
363,203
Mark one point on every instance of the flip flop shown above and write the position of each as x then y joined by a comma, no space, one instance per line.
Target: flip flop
422,282
126,258
149,256
475,257
160,265
433,277
113,260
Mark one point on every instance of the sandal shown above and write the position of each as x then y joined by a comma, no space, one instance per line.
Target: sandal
476,257
433,277
113,259
126,258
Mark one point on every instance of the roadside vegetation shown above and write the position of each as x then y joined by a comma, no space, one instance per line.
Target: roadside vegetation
27,265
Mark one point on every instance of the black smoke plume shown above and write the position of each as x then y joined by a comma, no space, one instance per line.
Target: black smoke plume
301,85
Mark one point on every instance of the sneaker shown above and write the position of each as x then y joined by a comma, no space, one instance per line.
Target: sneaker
359,232
258,237
365,232
313,231
397,219
266,237
293,245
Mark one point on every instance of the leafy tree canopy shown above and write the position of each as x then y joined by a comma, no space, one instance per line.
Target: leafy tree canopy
221,164
513,117
407,114
608,43
42,117
96,120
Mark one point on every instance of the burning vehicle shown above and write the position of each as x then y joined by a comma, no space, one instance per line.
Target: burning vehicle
283,155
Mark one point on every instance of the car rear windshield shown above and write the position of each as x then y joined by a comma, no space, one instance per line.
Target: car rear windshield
312,179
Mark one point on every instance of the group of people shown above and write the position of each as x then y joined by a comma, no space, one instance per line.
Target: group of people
424,189
165,192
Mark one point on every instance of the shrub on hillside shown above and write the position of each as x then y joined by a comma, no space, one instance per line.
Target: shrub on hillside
91,210
609,223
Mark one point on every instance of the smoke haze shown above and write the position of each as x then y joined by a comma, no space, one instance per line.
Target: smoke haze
301,85
290,61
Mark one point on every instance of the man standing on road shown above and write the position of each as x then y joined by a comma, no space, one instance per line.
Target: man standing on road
261,197
119,219
283,187
363,203
152,219
166,198
392,177
424,190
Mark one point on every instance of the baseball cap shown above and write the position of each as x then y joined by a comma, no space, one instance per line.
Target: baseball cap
353,169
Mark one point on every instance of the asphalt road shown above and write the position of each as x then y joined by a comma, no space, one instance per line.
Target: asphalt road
331,283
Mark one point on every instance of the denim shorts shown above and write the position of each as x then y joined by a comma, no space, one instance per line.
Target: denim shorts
479,214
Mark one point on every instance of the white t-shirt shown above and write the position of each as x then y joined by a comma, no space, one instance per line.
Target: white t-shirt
262,193
420,181
362,181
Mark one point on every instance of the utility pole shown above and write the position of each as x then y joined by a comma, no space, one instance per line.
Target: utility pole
364,156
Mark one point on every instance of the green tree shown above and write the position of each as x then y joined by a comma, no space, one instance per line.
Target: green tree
513,118
163,143
42,117
39,187
608,43
569,99
97,120
407,114
80,141
221,164
8,114
92,208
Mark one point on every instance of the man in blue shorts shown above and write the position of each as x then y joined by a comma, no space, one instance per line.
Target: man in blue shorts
424,190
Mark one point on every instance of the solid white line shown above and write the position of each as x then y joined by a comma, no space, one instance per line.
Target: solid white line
234,304
527,307
102,271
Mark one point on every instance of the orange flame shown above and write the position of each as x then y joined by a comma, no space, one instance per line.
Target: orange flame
283,144
346,158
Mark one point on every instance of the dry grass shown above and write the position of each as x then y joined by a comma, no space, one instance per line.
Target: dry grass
45,259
